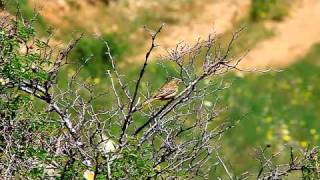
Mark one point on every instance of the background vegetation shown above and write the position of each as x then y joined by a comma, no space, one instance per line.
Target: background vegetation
276,108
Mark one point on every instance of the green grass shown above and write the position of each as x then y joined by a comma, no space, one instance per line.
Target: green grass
269,9
280,107
27,13
95,49
94,72
153,20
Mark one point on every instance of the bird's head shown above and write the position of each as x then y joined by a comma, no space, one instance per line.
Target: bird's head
176,81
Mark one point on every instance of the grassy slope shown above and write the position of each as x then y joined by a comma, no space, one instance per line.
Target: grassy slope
27,13
277,104
281,107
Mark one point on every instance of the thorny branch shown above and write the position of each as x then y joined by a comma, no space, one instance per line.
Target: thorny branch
179,136
132,107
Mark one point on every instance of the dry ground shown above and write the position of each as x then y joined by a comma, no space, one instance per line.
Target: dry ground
293,37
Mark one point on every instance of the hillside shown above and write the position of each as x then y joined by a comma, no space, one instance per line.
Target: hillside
186,24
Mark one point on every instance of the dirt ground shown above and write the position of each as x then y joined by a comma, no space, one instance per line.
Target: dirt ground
294,37
216,17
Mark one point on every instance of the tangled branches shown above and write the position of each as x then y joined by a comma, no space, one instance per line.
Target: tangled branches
49,131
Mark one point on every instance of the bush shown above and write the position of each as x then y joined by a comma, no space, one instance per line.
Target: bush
69,137
26,12
269,9
95,49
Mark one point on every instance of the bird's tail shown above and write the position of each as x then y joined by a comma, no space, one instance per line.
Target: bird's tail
148,101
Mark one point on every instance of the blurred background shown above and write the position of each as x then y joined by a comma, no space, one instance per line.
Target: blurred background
277,107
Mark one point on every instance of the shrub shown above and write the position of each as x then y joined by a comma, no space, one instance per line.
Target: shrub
269,9
94,49
64,135
26,12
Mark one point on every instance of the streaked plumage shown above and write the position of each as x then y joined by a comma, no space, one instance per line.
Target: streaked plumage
167,91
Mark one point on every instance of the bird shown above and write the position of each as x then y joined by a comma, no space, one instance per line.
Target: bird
167,91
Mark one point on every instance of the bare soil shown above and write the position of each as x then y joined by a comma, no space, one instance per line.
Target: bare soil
215,17
293,36
293,39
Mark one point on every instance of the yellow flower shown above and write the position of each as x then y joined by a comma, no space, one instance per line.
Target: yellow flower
286,138
304,144
2,81
313,131
284,131
158,168
270,135
96,80
207,103
88,175
239,74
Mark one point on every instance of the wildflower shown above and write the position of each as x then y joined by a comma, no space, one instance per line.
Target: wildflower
158,168
284,131
286,138
107,145
313,131
207,103
2,81
96,80
239,74
304,144
270,135
88,175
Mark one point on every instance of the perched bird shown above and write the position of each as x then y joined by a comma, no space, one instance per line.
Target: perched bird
167,91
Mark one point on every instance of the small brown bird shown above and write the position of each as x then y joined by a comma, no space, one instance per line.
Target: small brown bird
167,91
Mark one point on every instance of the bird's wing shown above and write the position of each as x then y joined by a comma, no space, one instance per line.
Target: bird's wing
164,92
